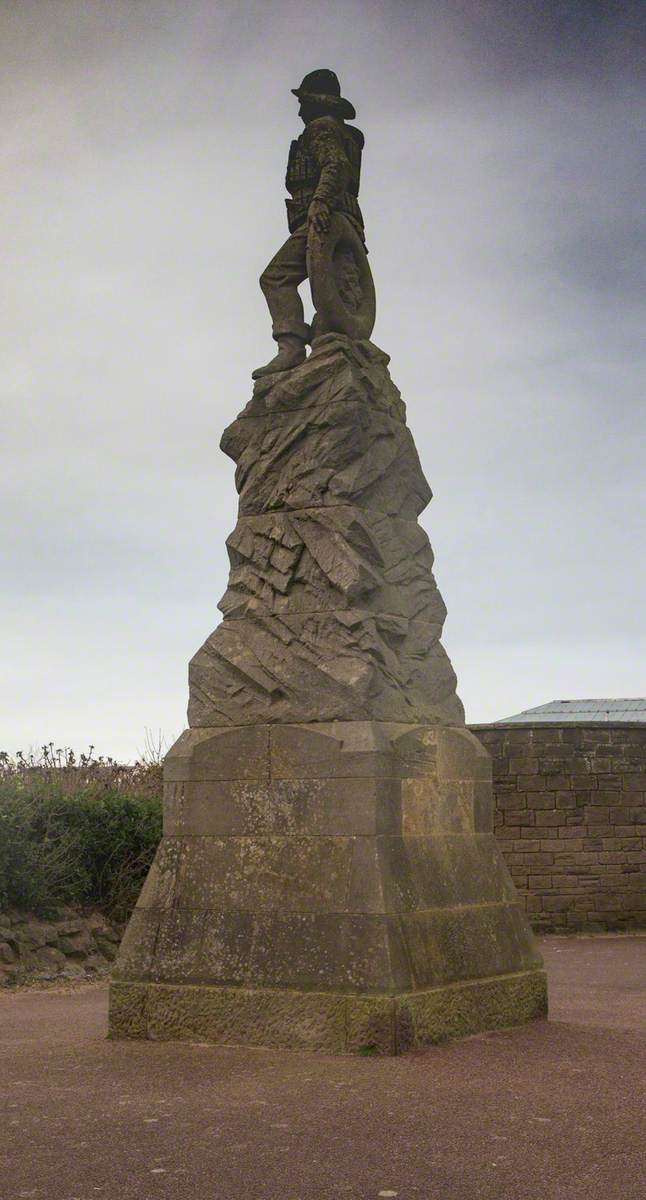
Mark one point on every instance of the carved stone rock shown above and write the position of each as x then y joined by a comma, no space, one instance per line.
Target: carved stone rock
332,612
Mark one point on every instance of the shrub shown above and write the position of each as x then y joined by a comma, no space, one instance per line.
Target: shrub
76,831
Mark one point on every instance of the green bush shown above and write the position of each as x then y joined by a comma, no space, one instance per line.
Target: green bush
79,832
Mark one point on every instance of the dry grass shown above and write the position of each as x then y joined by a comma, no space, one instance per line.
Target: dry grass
77,829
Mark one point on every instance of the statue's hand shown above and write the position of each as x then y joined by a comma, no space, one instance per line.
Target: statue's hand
319,216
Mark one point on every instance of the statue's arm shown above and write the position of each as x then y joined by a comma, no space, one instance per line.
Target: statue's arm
325,144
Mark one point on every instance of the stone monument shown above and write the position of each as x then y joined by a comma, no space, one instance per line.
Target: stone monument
328,877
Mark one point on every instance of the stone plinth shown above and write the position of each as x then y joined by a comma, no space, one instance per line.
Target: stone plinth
335,887
328,876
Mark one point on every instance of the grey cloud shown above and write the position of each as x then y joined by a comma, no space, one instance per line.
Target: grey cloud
144,149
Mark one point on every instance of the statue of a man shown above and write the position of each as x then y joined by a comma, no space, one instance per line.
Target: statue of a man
323,173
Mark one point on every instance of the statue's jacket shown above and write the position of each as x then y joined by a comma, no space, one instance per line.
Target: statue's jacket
325,164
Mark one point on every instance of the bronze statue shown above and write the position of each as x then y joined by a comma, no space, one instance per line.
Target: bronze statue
326,241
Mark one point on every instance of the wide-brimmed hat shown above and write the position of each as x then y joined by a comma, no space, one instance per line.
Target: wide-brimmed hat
323,87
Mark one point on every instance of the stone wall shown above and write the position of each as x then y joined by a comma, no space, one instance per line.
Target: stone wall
570,818
69,946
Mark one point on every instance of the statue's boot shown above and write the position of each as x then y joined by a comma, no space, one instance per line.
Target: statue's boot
291,353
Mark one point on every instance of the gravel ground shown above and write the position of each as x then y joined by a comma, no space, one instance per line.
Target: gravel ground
551,1111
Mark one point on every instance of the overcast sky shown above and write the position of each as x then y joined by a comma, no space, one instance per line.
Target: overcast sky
143,150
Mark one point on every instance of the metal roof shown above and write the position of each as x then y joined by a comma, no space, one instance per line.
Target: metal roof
564,711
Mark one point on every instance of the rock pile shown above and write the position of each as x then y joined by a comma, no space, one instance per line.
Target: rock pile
67,946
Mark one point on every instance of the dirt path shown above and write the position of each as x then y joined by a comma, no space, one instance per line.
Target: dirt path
552,1111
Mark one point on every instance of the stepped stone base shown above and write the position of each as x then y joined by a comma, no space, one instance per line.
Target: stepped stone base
333,886
326,1021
